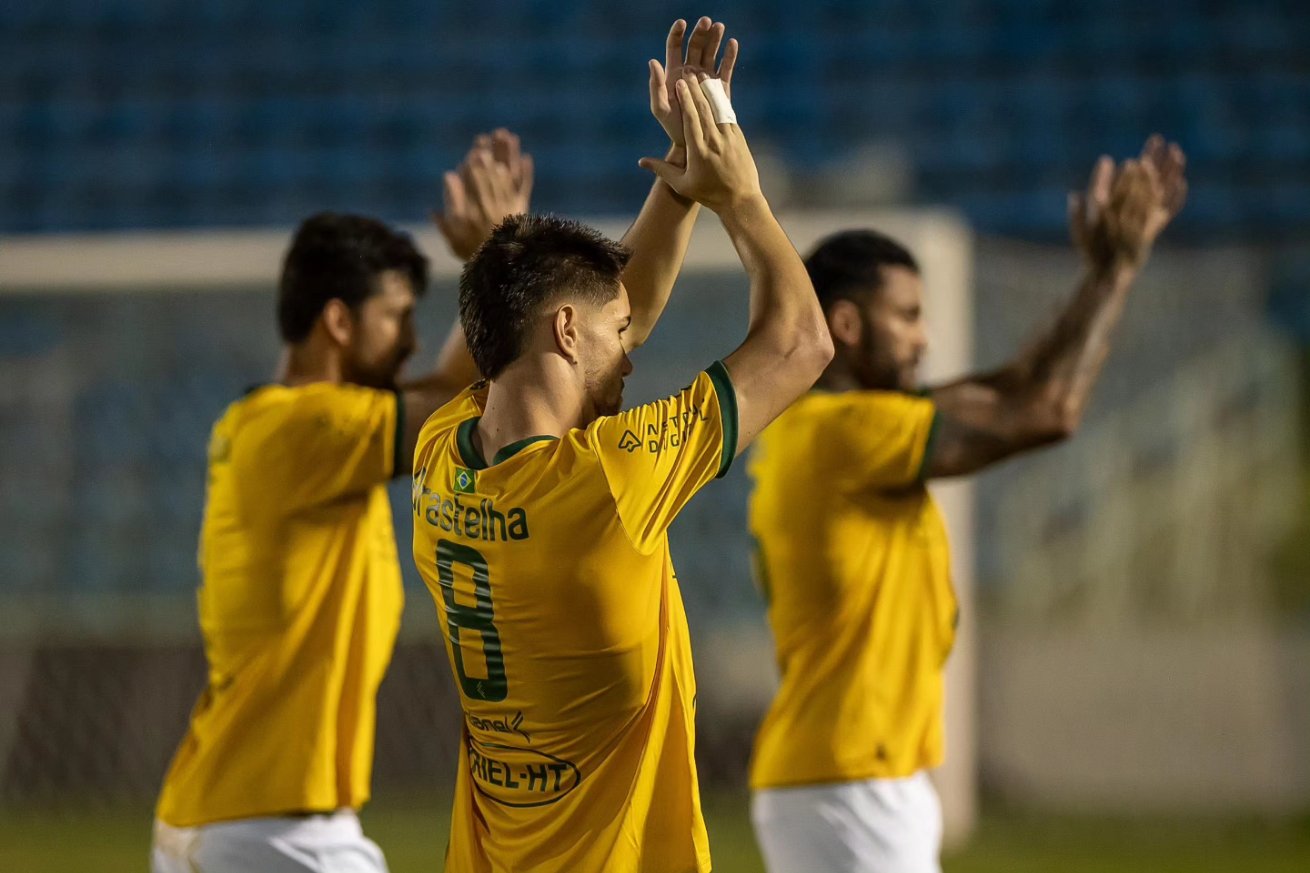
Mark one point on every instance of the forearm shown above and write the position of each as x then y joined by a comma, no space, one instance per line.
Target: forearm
1064,364
1040,397
454,366
782,300
787,344
454,362
424,395
658,241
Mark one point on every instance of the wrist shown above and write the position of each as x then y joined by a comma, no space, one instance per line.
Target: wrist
677,155
1118,267
742,206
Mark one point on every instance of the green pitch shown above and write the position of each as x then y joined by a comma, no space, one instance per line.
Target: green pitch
413,835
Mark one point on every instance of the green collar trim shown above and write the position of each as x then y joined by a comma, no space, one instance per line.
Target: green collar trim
468,450
513,449
473,459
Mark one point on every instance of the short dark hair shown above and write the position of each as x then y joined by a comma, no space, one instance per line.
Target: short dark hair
850,263
335,256
528,262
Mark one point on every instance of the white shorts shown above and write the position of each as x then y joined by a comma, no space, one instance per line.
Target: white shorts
870,826
332,843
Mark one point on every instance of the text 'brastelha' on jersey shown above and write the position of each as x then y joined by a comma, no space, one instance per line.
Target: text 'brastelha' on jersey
480,521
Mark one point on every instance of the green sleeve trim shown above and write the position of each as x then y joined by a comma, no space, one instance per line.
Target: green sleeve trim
922,475
398,443
513,449
464,442
728,409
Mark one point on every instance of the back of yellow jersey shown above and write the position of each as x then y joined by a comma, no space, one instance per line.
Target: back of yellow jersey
853,557
565,628
300,602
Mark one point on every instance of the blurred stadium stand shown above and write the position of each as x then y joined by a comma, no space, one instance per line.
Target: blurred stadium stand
161,114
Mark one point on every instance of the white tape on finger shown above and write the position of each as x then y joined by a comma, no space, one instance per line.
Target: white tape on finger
719,102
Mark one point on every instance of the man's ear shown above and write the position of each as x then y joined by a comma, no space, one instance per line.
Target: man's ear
339,321
844,322
565,327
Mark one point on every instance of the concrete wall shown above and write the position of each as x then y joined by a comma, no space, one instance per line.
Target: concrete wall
1207,720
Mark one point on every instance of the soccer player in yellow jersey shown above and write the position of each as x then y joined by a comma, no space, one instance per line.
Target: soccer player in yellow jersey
852,553
541,514
300,597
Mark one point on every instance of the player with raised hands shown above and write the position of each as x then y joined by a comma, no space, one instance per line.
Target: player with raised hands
852,554
541,516
300,595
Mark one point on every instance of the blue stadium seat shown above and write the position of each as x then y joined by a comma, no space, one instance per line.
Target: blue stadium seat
250,113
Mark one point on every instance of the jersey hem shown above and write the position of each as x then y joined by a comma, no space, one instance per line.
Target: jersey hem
727,396
295,812
837,780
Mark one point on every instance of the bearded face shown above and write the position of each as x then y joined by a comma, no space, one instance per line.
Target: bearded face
382,335
892,338
604,355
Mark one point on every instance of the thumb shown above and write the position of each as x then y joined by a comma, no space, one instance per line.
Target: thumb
667,172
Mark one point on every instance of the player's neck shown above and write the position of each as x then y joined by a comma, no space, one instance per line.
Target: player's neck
525,402
837,377
306,363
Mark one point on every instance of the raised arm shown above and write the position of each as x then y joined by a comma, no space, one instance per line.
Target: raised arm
787,343
1040,397
494,181
658,238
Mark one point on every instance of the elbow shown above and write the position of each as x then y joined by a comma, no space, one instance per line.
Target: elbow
1060,420
814,348
1068,420
798,341
1048,414
804,355
803,345
1060,431
822,345
817,339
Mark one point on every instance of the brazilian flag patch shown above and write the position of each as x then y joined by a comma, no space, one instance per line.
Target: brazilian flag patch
466,480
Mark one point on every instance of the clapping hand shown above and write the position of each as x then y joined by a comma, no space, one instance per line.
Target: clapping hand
698,59
1117,219
493,181
720,170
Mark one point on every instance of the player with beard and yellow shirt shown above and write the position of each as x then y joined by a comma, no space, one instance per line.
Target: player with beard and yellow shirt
852,553
300,594
541,516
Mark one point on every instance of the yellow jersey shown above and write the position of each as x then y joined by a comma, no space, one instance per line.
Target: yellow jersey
299,602
852,555
565,630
